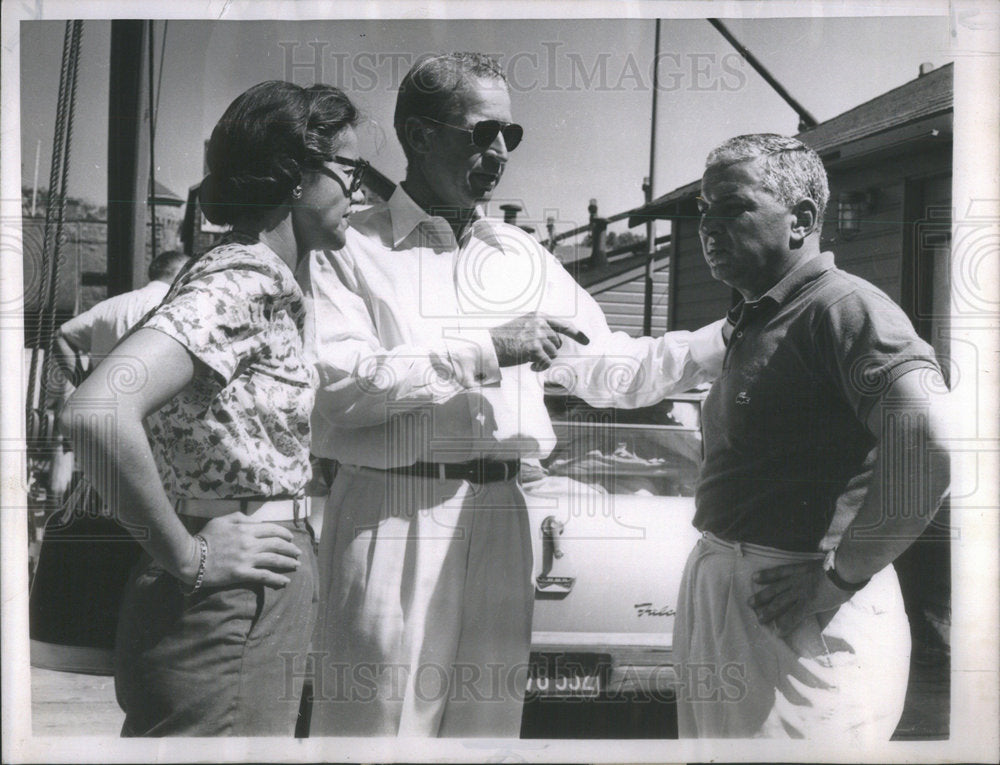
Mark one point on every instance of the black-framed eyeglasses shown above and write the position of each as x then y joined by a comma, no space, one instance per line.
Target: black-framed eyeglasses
357,175
485,132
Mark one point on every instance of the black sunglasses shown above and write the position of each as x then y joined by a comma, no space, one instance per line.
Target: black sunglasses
358,169
485,132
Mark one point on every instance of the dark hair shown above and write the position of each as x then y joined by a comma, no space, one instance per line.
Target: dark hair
164,267
267,137
431,86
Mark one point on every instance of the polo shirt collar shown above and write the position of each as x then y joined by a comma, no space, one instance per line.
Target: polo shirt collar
797,277
406,215
800,275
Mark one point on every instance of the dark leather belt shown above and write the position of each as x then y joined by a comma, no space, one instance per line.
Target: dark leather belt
474,471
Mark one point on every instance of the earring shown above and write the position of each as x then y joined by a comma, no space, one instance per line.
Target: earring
297,192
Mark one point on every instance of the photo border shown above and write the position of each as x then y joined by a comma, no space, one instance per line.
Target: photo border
976,577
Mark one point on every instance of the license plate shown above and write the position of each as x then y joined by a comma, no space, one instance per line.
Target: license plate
567,675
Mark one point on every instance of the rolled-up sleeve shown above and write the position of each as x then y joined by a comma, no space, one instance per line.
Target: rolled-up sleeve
80,330
618,370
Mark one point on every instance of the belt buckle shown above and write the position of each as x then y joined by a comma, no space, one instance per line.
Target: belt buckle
442,473
506,470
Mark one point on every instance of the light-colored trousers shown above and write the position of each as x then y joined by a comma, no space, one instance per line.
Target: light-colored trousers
425,614
845,680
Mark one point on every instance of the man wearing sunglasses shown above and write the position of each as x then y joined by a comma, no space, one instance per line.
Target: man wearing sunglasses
435,330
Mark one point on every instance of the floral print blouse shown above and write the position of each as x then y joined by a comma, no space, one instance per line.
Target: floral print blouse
241,427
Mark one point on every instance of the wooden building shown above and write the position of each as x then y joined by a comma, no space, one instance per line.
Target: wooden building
889,215
619,287
888,219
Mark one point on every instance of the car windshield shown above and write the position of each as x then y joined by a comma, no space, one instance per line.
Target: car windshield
654,451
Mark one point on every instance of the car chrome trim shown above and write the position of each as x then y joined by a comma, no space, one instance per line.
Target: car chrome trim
658,640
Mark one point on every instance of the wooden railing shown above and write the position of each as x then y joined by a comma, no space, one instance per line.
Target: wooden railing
597,227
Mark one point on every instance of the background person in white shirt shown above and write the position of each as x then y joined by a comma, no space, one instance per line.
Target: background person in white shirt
434,331
96,331
84,340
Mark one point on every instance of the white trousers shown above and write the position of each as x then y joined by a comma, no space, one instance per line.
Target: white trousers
845,680
425,615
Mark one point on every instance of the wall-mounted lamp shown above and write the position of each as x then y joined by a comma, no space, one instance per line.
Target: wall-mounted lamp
852,208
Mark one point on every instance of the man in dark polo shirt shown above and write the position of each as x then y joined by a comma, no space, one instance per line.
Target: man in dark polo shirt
823,462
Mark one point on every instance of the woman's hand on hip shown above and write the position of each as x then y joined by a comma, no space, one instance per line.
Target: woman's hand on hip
241,551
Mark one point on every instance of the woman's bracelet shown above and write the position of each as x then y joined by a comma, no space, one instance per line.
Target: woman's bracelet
202,562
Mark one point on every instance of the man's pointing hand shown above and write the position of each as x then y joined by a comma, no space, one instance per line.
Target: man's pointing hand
533,337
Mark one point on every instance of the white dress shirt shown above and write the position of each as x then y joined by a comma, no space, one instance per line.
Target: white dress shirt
400,326
98,330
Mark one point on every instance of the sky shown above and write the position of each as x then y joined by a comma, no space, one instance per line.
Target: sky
581,88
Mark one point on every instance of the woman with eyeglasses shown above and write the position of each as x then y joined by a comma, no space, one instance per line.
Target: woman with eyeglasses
196,430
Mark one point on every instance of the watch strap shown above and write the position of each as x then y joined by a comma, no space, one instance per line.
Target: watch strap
830,569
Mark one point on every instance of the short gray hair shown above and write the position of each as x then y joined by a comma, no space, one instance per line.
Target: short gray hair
431,86
792,171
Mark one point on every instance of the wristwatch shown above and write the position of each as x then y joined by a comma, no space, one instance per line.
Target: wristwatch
830,567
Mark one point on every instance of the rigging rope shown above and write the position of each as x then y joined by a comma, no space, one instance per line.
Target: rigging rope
52,239
63,183
159,76
151,197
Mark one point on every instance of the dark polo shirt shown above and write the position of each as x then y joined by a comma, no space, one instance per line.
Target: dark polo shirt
784,425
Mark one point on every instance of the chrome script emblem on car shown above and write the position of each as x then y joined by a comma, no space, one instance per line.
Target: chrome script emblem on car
646,609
